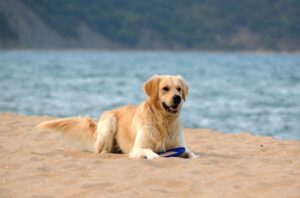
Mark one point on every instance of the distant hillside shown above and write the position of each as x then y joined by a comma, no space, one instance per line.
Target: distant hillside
152,24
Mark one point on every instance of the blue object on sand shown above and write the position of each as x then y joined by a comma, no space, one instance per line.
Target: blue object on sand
174,152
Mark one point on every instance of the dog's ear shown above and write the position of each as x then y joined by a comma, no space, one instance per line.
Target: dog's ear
185,88
151,87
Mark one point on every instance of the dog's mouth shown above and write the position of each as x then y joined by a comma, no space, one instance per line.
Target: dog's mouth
171,109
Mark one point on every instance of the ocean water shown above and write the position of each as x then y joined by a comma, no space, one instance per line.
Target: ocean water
229,92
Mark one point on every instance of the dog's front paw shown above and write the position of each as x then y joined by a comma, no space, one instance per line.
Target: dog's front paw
140,153
191,155
152,155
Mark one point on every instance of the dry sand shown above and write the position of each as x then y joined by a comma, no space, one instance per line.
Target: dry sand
36,164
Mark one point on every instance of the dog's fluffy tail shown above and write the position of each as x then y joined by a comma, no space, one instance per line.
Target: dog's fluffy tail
82,129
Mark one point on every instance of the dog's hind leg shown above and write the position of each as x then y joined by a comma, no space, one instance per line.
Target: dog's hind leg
106,131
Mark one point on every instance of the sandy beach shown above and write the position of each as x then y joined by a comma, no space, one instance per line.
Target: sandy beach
37,163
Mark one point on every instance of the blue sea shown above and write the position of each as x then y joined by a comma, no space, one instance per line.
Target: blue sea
229,92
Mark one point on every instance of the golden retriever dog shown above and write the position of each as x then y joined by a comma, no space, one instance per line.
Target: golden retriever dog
140,131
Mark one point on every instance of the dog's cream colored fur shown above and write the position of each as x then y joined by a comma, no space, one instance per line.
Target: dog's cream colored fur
141,130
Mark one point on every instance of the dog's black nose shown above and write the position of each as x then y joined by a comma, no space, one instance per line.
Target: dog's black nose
176,99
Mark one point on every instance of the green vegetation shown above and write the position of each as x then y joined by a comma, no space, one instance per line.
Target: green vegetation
6,31
200,24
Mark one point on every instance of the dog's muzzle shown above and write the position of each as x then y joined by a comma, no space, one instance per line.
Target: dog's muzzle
176,100
170,109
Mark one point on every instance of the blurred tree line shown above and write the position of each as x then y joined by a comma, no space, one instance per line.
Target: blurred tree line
199,24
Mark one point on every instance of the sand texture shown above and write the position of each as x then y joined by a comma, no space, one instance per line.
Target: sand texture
37,164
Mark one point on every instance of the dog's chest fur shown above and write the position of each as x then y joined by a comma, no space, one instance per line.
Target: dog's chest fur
163,132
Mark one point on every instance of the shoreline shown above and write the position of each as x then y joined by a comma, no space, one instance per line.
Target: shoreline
37,163
186,128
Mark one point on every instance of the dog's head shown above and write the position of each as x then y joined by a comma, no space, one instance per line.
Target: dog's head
167,93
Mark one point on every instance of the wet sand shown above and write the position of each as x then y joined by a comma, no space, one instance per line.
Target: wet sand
37,163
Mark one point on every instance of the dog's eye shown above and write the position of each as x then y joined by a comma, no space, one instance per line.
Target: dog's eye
166,88
178,88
